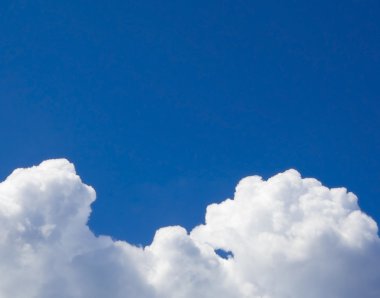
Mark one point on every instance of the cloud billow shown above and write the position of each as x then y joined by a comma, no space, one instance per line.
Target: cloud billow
284,237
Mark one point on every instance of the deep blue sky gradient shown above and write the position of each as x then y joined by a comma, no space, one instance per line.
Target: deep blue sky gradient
164,105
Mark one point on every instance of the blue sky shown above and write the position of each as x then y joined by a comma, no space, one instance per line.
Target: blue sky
163,107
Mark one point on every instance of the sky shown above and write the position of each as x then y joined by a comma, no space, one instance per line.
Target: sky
164,106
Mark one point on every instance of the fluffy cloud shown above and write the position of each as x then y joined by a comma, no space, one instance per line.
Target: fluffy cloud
287,237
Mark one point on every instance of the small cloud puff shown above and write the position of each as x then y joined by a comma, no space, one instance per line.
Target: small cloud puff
284,237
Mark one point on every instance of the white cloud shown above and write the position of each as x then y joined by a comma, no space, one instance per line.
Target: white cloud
288,236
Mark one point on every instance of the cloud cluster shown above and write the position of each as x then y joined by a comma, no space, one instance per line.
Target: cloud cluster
286,237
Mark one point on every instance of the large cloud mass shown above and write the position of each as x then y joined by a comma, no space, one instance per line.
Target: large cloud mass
286,237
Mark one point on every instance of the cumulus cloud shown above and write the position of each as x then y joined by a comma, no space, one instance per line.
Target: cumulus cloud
285,237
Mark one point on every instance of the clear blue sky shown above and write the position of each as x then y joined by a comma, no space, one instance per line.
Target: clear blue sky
164,105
